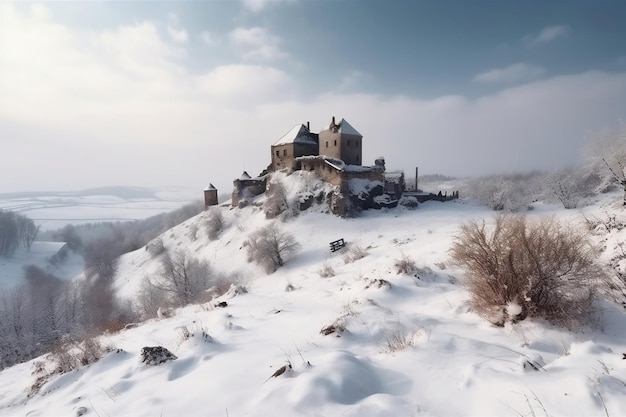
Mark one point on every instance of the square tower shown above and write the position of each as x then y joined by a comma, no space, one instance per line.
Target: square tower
341,141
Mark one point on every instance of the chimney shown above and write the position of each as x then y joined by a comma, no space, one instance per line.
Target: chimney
333,122
308,127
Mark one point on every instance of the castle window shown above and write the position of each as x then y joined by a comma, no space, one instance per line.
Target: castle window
357,159
327,144
277,153
335,142
284,152
348,142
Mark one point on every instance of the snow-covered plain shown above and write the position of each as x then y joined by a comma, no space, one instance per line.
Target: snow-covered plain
53,210
411,347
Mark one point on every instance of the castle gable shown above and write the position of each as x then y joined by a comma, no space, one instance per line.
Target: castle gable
298,134
343,127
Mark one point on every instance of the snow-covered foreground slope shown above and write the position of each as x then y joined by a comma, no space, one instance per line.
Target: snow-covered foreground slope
410,345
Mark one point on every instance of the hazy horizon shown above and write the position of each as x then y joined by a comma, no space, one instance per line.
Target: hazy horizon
186,93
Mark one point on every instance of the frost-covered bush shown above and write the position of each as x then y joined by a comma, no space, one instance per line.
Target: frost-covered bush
184,279
326,271
405,265
518,268
512,192
270,247
155,247
214,223
607,156
354,253
276,200
571,187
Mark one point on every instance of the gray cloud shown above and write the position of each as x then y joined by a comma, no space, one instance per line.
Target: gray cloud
547,34
512,74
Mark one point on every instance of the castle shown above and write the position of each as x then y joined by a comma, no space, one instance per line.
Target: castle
335,154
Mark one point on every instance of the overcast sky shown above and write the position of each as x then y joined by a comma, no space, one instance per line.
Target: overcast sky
187,93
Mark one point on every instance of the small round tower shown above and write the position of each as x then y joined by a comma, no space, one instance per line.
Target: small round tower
210,196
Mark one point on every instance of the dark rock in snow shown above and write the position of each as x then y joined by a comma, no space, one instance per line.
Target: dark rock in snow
156,355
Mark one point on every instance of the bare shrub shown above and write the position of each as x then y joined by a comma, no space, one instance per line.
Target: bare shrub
397,340
270,247
68,354
326,271
214,223
405,265
155,247
193,232
608,156
185,278
354,253
564,188
276,200
517,269
150,298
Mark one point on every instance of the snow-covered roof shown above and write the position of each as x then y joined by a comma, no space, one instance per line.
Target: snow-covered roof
210,187
298,134
245,176
345,127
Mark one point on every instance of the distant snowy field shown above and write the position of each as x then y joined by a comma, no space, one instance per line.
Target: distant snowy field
53,210
449,362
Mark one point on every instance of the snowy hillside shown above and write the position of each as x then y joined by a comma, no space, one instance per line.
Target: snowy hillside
397,344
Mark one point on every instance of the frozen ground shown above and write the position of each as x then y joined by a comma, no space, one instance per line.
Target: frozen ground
410,346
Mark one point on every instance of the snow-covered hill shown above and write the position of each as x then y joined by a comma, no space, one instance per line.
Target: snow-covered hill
403,345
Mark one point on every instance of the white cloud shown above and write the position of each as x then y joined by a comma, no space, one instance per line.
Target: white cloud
177,35
547,34
256,6
251,83
257,44
512,74
208,38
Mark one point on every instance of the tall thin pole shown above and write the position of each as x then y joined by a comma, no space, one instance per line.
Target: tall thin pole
416,178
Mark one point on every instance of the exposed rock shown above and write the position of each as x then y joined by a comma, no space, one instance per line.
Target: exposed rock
156,355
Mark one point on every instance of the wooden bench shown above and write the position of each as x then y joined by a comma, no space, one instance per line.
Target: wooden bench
337,244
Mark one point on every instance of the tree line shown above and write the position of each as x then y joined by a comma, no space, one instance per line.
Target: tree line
15,230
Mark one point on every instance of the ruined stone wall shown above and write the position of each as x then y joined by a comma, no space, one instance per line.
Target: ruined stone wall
323,170
243,189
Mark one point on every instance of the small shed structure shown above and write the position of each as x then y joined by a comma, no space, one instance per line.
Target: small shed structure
210,196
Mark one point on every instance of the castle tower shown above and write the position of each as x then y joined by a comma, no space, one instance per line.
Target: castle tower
341,141
210,196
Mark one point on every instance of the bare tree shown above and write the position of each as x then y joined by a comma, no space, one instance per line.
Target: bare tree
26,230
150,298
270,247
185,278
518,268
608,154
563,186
9,237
